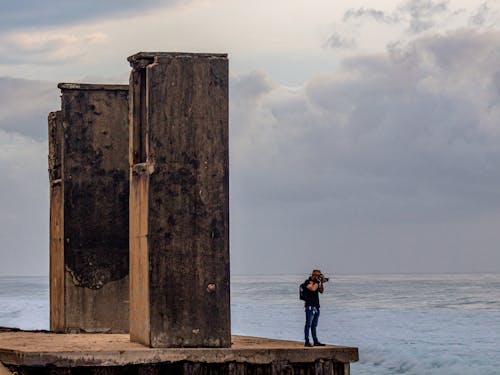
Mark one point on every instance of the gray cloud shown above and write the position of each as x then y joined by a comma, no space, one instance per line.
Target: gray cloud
24,106
401,121
337,41
479,18
423,13
486,15
251,86
418,15
377,15
46,47
397,146
32,13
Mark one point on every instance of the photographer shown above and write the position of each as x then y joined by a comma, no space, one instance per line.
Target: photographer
314,286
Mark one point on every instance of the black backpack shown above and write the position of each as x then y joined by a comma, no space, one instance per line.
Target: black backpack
303,290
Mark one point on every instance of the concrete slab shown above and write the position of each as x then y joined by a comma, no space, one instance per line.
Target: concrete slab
79,350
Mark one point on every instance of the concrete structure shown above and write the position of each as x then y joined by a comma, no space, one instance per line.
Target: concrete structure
46,353
89,190
179,200
177,107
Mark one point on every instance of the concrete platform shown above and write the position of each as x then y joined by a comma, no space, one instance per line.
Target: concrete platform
77,350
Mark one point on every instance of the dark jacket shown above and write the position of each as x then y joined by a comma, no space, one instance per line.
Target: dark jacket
311,298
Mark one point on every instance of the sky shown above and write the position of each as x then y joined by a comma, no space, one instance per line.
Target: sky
364,135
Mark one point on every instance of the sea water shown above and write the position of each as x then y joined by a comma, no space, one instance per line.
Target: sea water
402,324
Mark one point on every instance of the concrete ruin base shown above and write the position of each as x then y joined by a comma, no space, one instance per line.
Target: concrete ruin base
50,353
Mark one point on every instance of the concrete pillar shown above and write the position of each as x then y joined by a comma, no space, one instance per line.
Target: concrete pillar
179,200
89,188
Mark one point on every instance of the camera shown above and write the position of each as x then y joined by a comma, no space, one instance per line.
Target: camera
322,278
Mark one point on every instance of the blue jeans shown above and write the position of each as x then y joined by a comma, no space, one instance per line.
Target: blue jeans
312,317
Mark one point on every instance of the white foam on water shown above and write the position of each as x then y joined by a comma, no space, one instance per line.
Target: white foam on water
24,302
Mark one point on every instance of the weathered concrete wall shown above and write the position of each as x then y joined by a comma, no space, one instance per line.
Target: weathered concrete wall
320,367
89,176
179,206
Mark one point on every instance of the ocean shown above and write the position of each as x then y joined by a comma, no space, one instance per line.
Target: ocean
402,324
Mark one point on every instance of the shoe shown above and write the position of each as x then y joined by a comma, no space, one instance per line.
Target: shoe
308,344
317,343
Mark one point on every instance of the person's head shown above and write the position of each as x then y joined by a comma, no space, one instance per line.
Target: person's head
315,274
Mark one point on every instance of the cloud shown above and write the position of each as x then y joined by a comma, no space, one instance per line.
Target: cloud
23,14
389,161
423,13
24,106
337,41
394,136
46,47
479,18
409,19
251,87
486,15
377,15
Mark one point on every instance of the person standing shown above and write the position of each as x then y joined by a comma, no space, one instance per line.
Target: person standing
313,286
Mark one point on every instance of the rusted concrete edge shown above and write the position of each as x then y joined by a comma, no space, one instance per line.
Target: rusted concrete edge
91,86
134,357
151,55
4,370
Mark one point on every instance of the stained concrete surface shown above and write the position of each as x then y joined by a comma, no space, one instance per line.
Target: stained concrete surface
89,188
72,350
179,200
